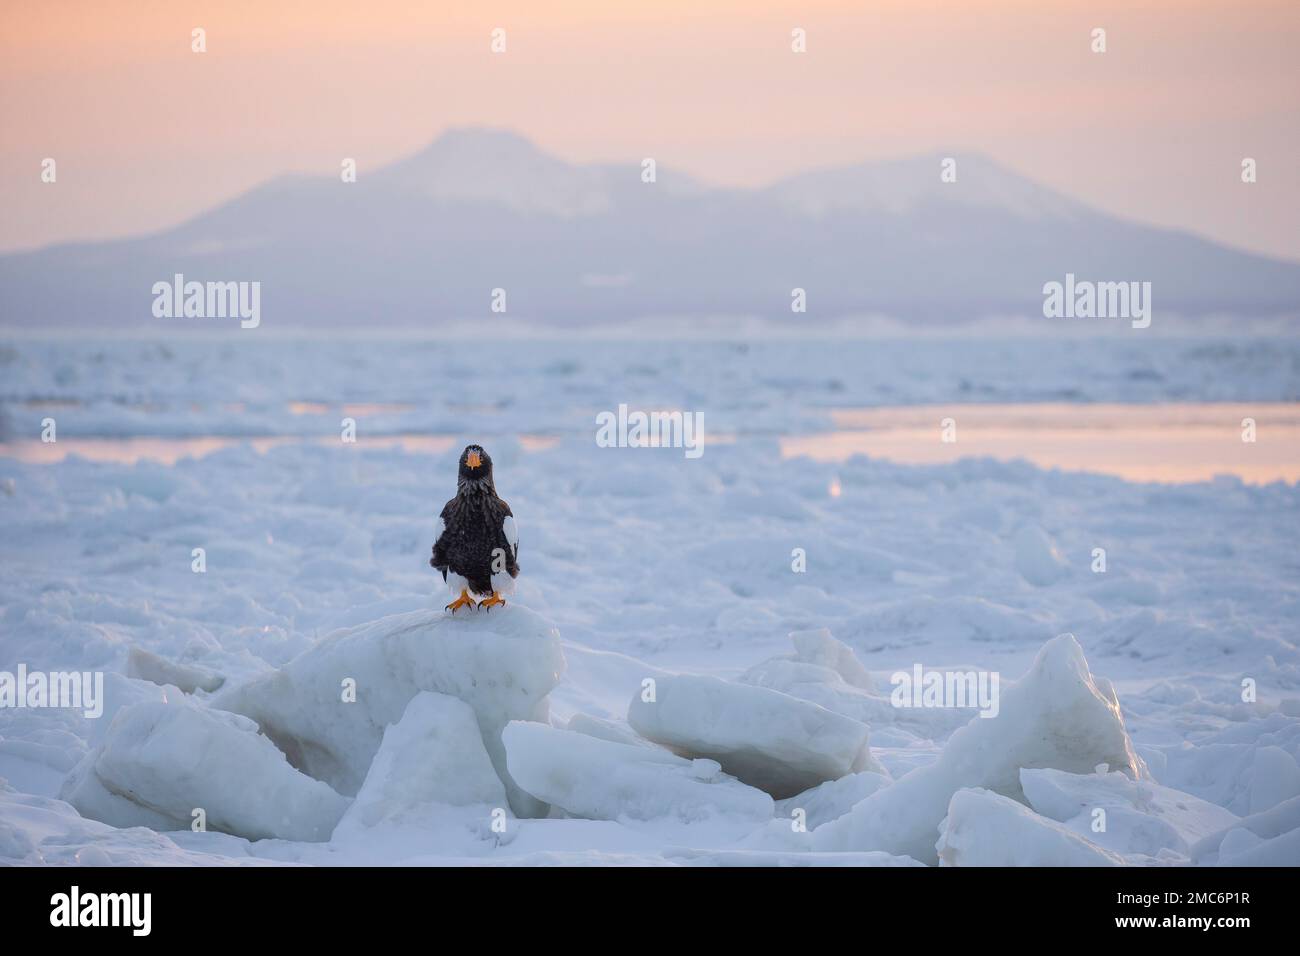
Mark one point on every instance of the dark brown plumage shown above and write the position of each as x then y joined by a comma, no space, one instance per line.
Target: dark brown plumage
476,548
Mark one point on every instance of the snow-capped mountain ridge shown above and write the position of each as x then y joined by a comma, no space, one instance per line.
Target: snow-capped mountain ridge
898,186
500,167
427,239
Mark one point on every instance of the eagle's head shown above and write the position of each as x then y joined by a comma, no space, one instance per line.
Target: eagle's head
475,469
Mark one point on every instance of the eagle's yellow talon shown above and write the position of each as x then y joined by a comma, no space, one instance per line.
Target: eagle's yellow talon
491,602
460,602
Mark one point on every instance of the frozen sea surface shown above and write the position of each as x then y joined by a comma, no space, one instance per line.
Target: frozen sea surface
645,560
259,385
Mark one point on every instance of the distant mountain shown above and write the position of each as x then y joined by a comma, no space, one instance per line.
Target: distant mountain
428,238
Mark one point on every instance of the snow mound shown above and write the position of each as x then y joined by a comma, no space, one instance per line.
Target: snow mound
988,829
327,708
430,759
1058,715
770,740
1140,816
172,759
604,780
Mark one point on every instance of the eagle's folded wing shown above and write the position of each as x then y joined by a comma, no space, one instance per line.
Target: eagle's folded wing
512,539
439,559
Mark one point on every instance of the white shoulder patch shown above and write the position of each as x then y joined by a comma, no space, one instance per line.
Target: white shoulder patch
512,534
438,529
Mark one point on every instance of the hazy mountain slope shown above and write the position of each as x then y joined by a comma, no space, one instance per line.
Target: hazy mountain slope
429,237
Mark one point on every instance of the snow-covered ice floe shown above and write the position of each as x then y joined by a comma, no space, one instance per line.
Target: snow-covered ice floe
162,763
502,665
604,780
987,829
413,708
1126,816
1057,716
431,759
775,742
834,798
826,672
405,714
1268,838
146,665
36,830
431,789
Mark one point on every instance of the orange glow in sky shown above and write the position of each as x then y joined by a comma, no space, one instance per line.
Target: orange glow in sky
147,133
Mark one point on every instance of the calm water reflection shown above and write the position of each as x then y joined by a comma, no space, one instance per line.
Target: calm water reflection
1168,443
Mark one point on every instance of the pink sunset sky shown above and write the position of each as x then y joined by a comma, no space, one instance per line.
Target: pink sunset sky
147,133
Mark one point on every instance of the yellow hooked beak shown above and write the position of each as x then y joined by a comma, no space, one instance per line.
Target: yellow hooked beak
473,460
